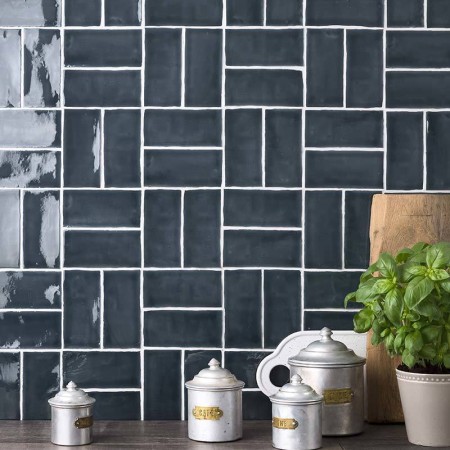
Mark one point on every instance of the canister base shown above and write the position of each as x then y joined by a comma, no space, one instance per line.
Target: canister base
217,442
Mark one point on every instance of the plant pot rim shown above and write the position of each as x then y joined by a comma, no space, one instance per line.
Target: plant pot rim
423,377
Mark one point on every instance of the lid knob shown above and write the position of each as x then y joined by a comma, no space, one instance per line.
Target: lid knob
214,364
326,334
296,379
71,386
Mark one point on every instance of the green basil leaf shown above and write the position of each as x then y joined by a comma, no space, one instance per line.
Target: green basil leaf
438,274
414,342
438,255
368,273
365,291
408,359
383,286
393,306
376,339
419,247
446,361
362,320
399,341
414,271
417,289
431,333
387,266
428,351
428,308
445,285
349,298
403,255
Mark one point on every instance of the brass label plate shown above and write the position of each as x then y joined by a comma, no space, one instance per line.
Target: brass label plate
207,412
337,396
284,424
84,422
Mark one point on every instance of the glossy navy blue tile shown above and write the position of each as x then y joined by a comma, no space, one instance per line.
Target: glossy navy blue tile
121,315
41,229
97,48
83,12
30,330
162,67
315,320
81,309
102,249
102,208
10,386
122,140
118,12
438,158
405,13
203,72
162,385
274,87
284,12
243,309
93,369
30,13
162,228
117,405
325,67
328,289
283,148
82,148
282,292
10,226
256,406
102,88
40,382
200,288
323,225
244,365
30,290
183,168
245,12
438,14
404,150
183,128
202,212
262,248
243,141
262,208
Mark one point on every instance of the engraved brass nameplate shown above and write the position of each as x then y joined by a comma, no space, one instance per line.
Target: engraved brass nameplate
337,396
207,412
84,422
284,424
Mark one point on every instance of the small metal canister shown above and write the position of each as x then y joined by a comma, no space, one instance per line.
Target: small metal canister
296,417
337,373
215,405
72,416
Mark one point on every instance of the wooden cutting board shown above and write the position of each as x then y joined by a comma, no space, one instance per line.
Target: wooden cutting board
398,221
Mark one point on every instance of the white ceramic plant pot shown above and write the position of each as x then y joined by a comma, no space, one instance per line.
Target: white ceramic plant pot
426,407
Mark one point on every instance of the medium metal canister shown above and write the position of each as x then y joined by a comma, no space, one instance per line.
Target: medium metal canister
296,417
337,373
214,405
72,416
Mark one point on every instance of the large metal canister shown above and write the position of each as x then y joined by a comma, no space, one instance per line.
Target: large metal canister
296,417
72,416
214,405
337,373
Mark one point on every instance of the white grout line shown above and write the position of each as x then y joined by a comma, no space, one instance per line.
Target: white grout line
418,69
263,146
228,227
343,230
425,14
182,355
182,229
33,310
102,16
21,230
21,369
344,71
102,148
424,137
296,68
22,67
182,308
102,307
264,12
183,67
101,69
70,228
344,149
262,309
96,389
384,101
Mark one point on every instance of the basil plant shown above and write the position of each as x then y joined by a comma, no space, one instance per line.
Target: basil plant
406,303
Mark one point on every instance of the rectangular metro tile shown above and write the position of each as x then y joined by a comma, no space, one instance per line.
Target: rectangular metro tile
315,320
120,13
183,128
283,148
325,67
323,225
93,369
262,248
183,168
262,208
10,48
282,305
162,67
162,228
244,365
438,14
41,229
40,382
202,212
30,330
117,405
83,12
243,309
102,48
162,385
98,208
256,406
121,328
405,13
284,12
29,128
30,290
199,288
82,309
10,386
438,135
249,12
102,88
274,87
404,150
10,226
364,68
203,79
181,328
30,13
102,249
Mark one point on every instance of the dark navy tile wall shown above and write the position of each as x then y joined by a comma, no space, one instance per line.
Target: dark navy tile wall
188,179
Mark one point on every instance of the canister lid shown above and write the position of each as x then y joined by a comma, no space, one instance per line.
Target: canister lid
326,352
71,397
215,378
296,393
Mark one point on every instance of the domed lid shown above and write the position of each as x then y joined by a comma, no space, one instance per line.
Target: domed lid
71,397
296,393
326,352
214,378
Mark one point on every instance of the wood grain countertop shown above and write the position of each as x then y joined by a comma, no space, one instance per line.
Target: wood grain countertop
31,435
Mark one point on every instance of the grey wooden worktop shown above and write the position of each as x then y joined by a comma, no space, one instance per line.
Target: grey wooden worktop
15,435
